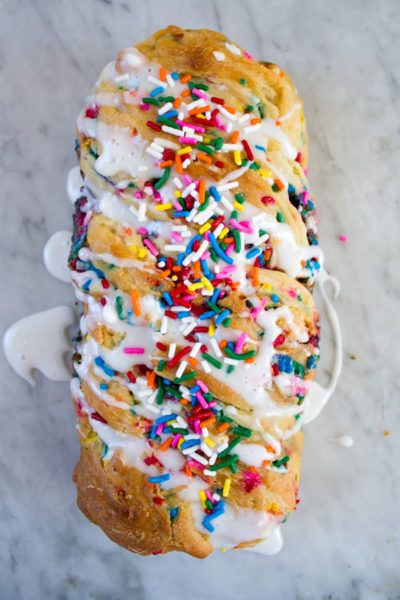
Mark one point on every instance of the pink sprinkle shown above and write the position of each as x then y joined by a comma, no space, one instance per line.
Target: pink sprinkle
133,350
176,439
197,128
199,94
256,310
187,140
151,247
205,255
138,194
240,343
212,404
175,235
202,385
201,400
241,226
343,238
249,56
292,292
196,427
196,465
209,496
187,180
176,205
304,197
144,106
143,231
159,428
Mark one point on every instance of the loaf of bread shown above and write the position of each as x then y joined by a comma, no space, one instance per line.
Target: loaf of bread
194,255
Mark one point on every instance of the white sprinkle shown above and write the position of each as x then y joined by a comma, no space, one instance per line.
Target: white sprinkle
244,118
120,78
157,81
230,361
175,248
227,114
232,48
190,450
206,449
186,163
251,128
154,153
218,229
188,259
195,104
209,473
166,143
179,228
217,497
161,264
199,458
227,186
165,108
152,408
181,369
170,81
222,447
203,247
188,190
206,366
189,328
178,182
195,349
191,216
204,432
142,212
164,325
216,348
171,350
181,115
262,239
226,203
213,459
157,147
181,421
172,131
219,56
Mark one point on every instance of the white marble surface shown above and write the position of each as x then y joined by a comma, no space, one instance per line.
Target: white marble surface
343,542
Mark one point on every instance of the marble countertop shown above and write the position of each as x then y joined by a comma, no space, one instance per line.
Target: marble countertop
343,542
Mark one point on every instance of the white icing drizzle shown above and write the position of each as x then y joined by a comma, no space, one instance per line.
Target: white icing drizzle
318,395
74,184
39,342
55,255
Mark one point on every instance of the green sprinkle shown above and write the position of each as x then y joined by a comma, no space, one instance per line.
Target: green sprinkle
261,109
93,152
249,108
205,203
163,179
238,243
168,122
236,356
213,255
166,98
118,304
209,504
212,360
234,214
154,101
229,462
281,461
298,369
161,365
227,322
217,143
198,85
243,81
179,430
275,188
240,197
279,217
254,166
214,307
206,149
224,419
230,369
240,430
185,377
160,394
227,450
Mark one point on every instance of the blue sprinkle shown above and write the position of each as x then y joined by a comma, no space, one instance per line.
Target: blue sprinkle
219,251
311,362
170,113
181,213
166,418
86,285
156,91
275,298
311,204
103,386
153,432
253,252
101,363
215,193
180,259
285,363
159,478
97,271
168,298
205,522
104,450
207,315
195,238
222,316
291,189
216,513
215,295
261,148
190,443
194,389
175,76
173,513
182,314
205,268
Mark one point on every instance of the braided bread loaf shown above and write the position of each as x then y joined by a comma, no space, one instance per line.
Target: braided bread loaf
194,253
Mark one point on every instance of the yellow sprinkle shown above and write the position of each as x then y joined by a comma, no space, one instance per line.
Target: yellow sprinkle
267,286
296,170
265,172
211,330
177,194
142,253
227,487
223,549
223,233
207,284
174,277
209,442
202,495
200,116
133,248
195,286
206,139
163,206
238,206
237,158
204,228
185,150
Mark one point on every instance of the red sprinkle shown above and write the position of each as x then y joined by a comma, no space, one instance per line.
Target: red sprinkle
179,356
161,346
275,370
217,100
247,149
170,314
299,157
158,500
153,125
131,377
105,284
279,340
98,417
92,112
267,200
219,164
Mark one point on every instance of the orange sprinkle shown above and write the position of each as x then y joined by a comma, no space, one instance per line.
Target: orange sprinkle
229,240
177,102
230,109
223,343
151,378
188,471
185,93
163,74
133,132
277,122
235,137
235,285
255,278
255,121
127,230
204,157
279,184
165,445
176,268
193,361
266,463
186,78
207,422
178,162
253,469
199,109
202,191
166,163
165,274
135,302
223,427
196,270
184,401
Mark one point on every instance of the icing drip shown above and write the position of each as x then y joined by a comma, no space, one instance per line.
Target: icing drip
39,342
55,255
